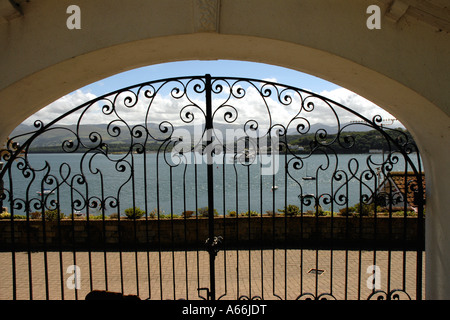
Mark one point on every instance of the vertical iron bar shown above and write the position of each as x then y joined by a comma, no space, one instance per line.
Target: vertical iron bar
91,286
61,277
405,205
72,220
237,224
185,231
119,237
73,237
261,211
285,218
390,239
105,260
159,224
375,240
331,237
301,239
196,222
420,236
146,224
377,185
133,187
317,232
360,237
224,218
210,176
13,244
346,238
278,147
247,161
44,233
172,231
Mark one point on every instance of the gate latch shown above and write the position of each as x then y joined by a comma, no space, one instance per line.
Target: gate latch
214,246
208,293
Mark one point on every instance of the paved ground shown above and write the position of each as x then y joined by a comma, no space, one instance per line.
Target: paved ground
270,274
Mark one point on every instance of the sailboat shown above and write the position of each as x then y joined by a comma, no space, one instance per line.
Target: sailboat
46,191
308,177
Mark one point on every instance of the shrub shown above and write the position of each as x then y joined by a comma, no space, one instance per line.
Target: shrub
152,214
35,215
291,210
364,209
187,214
134,213
204,212
114,215
250,213
5,215
52,215
357,209
96,217
345,212
231,213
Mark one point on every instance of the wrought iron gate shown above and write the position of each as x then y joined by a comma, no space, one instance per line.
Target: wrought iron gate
290,195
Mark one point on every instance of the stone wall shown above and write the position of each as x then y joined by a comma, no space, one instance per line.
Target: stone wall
336,232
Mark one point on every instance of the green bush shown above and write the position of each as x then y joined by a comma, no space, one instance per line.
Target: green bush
52,215
35,215
5,215
187,214
250,213
114,215
97,217
134,213
204,212
231,213
291,210
364,210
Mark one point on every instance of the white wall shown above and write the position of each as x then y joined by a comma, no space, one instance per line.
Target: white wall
403,67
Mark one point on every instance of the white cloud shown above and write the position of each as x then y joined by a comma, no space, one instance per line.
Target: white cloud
251,106
61,106
357,103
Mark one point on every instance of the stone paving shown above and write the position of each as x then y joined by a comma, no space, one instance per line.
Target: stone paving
269,274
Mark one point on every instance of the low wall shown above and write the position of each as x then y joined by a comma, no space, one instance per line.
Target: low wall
153,234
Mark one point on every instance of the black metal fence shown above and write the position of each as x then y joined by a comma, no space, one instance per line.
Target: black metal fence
212,188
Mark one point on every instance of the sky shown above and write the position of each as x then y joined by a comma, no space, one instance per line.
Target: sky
215,68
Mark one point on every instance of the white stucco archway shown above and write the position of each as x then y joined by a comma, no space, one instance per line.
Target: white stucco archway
403,67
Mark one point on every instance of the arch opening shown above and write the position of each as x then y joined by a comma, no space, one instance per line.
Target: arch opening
179,129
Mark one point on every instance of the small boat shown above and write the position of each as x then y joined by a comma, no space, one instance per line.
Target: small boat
308,177
274,188
46,191
78,213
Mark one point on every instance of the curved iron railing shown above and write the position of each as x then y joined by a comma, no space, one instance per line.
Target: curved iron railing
196,146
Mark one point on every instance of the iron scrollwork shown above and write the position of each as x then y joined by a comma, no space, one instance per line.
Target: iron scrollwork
396,294
169,118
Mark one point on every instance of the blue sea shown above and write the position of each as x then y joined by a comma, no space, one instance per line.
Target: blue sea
96,183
